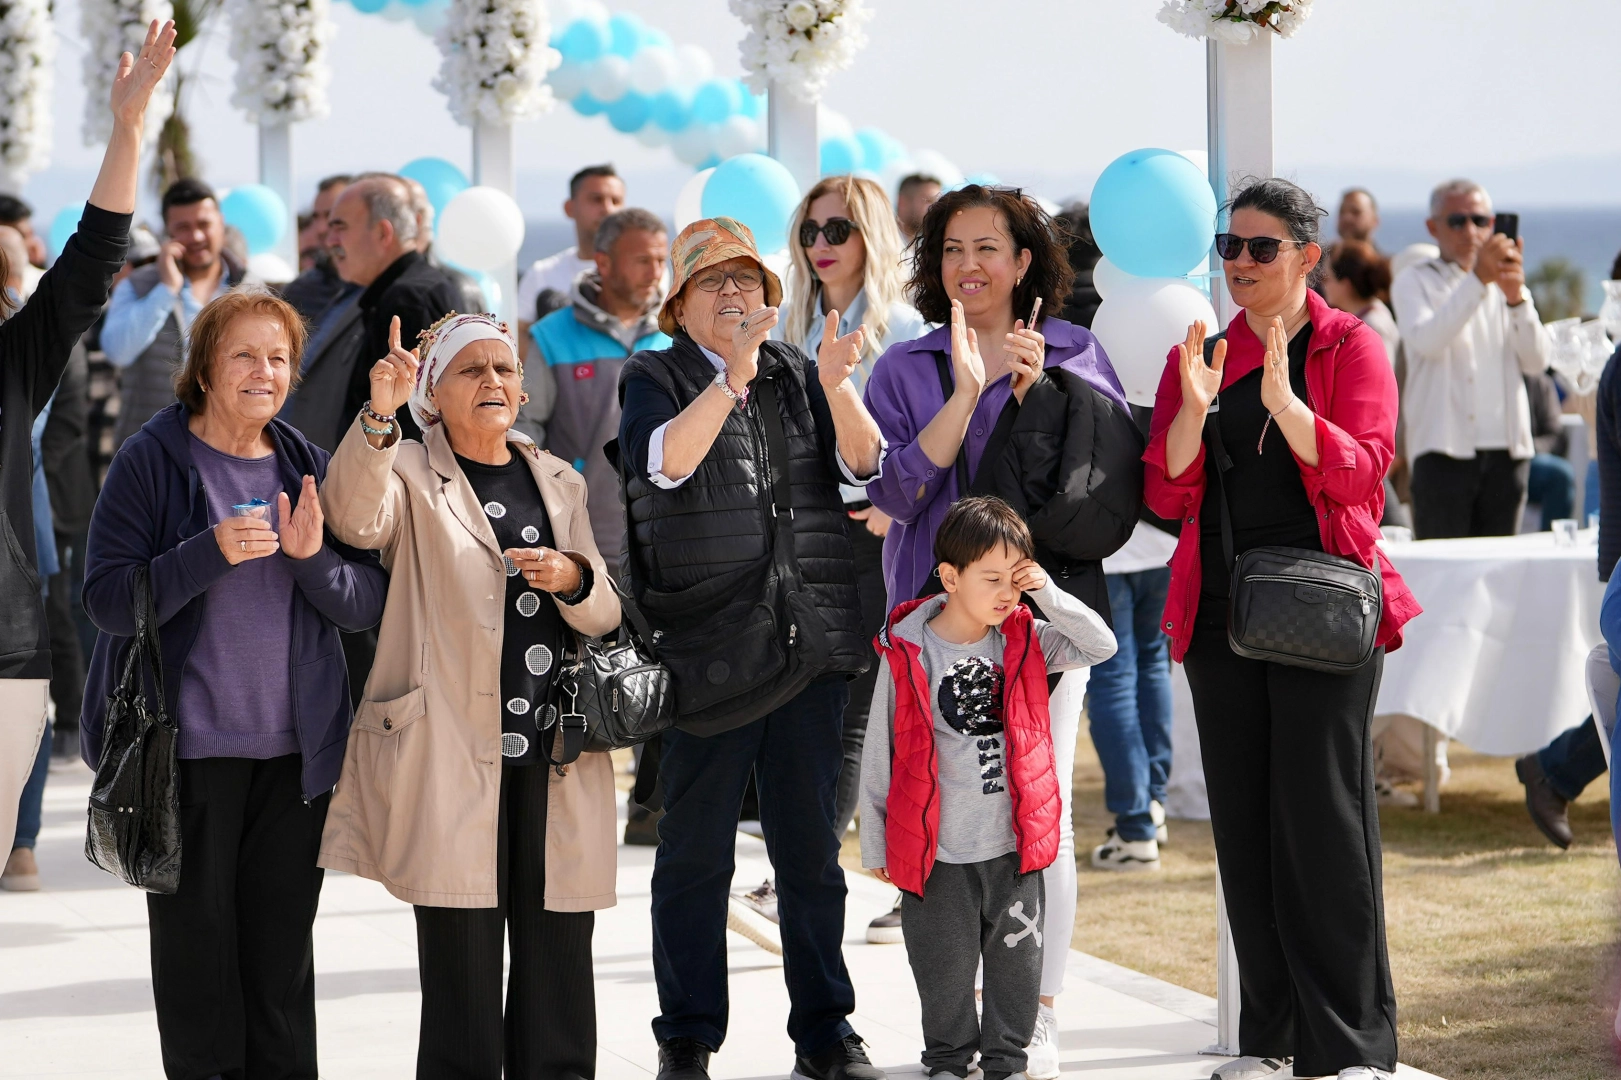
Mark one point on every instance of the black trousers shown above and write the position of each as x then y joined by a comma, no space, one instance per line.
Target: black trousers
1479,496
233,971
869,562
67,658
549,1031
1288,763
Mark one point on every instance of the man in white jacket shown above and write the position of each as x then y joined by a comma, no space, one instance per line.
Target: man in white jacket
1469,330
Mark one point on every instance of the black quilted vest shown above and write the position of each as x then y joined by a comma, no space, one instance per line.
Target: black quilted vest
720,520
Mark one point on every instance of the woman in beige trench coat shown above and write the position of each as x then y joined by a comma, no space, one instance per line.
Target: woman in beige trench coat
446,796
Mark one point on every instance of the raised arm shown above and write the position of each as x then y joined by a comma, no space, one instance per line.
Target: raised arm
363,501
859,442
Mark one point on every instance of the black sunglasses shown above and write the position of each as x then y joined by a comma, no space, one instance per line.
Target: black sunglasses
1263,249
837,230
1458,221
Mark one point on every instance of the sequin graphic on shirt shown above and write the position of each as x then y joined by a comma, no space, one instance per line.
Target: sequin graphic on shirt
495,509
530,534
528,603
970,700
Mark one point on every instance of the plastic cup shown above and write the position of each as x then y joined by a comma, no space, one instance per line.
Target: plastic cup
253,508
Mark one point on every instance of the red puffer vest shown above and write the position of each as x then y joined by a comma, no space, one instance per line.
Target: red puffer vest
913,826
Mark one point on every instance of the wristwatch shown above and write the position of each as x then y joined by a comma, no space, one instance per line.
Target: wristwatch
740,400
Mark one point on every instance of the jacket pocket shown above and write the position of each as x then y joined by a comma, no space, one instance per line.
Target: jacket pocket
377,747
19,584
389,718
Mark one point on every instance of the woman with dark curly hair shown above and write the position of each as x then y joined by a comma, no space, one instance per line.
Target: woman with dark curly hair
1008,402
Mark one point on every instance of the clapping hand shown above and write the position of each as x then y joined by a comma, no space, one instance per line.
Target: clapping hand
967,366
1028,576
1276,393
242,539
1026,355
301,529
139,75
395,375
838,356
1201,382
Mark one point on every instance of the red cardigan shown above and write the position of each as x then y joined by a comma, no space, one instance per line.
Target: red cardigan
1352,390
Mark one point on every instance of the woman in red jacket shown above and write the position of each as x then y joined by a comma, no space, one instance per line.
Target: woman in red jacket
1308,418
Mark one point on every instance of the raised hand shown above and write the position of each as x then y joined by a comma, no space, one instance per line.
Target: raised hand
301,529
753,329
169,256
1026,355
838,356
139,75
967,366
395,375
1276,393
1201,382
1028,576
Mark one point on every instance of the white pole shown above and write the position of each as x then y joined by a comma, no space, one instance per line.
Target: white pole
793,139
495,165
276,173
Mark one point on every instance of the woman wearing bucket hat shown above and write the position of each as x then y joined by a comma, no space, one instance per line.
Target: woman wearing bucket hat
731,450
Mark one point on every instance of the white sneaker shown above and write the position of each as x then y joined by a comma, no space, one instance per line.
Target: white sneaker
1156,813
1042,1053
753,914
1253,1068
1117,854
1364,1072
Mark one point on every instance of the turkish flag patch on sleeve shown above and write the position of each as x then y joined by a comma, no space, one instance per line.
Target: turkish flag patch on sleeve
585,371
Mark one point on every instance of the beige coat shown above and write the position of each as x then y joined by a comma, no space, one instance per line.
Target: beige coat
416,805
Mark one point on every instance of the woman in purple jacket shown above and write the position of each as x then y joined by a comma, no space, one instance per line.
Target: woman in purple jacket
216,499
988,261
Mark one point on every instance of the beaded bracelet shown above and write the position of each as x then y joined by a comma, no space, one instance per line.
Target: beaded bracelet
375,415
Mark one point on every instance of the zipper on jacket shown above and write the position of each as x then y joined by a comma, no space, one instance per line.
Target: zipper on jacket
1293,579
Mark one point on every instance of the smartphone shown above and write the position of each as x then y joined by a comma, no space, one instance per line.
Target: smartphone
1508,225
1030,324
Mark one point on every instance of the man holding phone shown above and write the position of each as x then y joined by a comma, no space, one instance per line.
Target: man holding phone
1469,330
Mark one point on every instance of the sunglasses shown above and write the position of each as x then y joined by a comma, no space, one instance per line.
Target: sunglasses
1458,221
1263,249
837,230
715,280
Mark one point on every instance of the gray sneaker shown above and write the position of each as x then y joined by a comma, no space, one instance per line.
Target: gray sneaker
753,914
886,928
1254,1068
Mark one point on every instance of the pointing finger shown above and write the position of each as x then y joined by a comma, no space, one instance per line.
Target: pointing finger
393,333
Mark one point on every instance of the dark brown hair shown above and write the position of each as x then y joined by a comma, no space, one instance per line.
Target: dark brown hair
1031,228
978,525
1359,264
208,335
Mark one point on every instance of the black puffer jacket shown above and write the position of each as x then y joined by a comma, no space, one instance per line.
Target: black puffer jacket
1073,468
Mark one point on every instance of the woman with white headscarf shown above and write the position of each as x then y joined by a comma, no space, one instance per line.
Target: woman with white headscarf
447,796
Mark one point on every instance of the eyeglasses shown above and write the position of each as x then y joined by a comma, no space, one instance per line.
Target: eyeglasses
1458,221
837,230
715,280
1263,249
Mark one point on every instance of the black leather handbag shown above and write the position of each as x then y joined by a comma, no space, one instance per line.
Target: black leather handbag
134,827
1292,605
611,695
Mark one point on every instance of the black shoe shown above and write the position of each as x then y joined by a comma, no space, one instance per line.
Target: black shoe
682,1058
844,1060
1543,803
886,928
642,828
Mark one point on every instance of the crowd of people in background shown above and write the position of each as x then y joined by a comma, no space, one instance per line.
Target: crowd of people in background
874,451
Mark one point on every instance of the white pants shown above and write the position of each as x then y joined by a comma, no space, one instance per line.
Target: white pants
1058,922
23,704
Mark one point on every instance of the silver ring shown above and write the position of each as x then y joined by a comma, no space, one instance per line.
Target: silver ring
744,326
244,544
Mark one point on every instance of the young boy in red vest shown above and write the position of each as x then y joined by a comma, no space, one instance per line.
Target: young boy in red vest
960,801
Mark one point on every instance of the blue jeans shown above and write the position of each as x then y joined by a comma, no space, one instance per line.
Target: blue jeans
1573,760
33,798
1130,707
1552,486
795,754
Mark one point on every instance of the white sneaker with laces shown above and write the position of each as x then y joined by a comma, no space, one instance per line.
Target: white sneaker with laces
1156,813
1117,854
1254,1068
1364,1072
753,914
1042,1053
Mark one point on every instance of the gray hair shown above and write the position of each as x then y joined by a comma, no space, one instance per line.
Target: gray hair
612,227
388,198
1445,191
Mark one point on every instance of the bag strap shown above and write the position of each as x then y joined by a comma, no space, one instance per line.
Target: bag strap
982,482
782,510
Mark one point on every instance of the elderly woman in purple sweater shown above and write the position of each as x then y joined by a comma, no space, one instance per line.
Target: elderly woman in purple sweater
216,500
1020,405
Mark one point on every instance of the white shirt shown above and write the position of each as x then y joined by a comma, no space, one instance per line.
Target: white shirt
1148,549
133,322
655,447
1466,351
553,272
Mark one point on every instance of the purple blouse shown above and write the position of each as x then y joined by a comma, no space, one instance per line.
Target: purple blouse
903,395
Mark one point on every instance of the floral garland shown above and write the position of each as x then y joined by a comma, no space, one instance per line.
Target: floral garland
110,27
1235,22
27,68
280,53
496,59
798,44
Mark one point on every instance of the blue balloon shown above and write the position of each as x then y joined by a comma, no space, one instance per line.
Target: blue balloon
709,162
840,154
715,100
417,3
671,110
258,212
626,33
369,7
63,225
630,112
1153,213
586,105
753,105
651,36
756,190
878,148
582,41
442,180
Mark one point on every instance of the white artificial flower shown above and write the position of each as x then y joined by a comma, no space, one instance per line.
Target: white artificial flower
496,59
28,44
281,61
802,15
796,45
1209,19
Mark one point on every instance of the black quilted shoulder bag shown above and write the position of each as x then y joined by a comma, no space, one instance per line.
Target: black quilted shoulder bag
1292,605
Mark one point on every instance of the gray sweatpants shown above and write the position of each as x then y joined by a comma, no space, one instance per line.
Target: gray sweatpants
968,911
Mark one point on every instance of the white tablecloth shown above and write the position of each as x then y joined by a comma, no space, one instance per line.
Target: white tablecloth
1497,659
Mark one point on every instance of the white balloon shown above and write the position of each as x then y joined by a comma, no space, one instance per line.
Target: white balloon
609,79
934,163
1140,322
570,79
689,201
1106,275
652,69
270,268
652,135
833,125
693,64
693,143
480,229
563,12
735,135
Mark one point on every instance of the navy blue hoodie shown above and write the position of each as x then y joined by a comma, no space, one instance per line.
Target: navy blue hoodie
153,512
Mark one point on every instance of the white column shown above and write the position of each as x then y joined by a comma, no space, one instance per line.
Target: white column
495,164
793,139
1239,120
276,173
